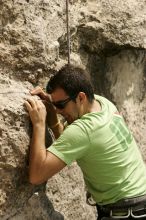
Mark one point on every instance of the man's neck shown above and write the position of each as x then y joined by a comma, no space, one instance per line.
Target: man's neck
95,106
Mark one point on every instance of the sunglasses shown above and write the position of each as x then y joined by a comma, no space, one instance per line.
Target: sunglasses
62,103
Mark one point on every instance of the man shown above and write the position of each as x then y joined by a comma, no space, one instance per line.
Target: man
95,136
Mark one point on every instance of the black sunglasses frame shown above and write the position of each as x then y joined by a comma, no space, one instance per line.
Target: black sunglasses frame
62,103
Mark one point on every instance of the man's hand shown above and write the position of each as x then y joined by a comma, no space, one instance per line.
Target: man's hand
51,118
37,111
43,95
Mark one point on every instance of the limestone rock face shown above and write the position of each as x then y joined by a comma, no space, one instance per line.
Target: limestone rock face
108,38
14,146
128,90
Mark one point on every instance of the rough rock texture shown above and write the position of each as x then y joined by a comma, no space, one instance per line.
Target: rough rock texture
108,38
130,96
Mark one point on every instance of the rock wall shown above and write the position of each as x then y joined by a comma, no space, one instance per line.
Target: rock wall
108,38
130,96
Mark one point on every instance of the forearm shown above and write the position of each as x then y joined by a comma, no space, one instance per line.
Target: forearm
42,164
53,121
37,153
57,129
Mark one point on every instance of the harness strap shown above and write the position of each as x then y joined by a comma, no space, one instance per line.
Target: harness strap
134,207
125,203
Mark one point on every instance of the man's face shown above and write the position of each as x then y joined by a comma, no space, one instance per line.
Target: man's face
68,109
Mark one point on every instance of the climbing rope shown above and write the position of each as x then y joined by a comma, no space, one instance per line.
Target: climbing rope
68,29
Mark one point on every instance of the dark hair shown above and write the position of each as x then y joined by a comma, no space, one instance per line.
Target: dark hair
72,80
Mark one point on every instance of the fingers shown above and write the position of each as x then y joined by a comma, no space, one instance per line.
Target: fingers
39,104
33,104
38,91
28,106
36,110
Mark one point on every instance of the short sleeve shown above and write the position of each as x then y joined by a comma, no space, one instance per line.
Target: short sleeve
72,145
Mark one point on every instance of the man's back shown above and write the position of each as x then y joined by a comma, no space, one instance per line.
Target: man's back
107,153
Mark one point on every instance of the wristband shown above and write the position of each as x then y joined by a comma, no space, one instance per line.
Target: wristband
54,126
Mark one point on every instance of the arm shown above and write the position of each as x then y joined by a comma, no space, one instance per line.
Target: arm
42,164
52,118
53,121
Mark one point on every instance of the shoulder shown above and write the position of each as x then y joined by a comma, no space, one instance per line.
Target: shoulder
74,131
106,103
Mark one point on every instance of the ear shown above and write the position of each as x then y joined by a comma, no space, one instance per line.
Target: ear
82,97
